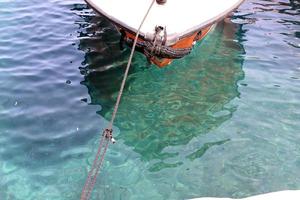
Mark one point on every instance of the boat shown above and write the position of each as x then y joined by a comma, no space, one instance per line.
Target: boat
280,195
172,27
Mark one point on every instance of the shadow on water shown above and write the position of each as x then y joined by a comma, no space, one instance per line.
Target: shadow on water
163,108
104,59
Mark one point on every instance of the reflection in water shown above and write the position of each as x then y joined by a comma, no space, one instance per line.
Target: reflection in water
163,107
100,42
204,148
48,136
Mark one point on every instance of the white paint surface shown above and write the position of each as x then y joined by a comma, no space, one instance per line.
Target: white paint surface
282,195
179,16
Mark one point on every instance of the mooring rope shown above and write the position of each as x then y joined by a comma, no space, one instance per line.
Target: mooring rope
106,137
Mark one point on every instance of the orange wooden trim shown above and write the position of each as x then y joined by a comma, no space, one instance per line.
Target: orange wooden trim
161,62
185,42
132,36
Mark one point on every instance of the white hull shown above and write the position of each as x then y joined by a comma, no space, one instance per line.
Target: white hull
179,17
282,195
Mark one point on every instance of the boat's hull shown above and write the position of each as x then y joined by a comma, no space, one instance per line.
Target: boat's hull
163,39
184,43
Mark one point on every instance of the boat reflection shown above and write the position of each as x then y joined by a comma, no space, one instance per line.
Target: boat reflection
164,108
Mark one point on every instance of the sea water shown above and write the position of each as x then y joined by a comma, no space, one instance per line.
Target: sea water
224,121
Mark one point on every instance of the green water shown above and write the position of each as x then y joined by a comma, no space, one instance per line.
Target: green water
224,121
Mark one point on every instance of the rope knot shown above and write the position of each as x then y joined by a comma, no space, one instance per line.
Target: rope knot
108,134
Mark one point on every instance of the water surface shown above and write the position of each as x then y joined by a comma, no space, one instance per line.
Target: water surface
223,121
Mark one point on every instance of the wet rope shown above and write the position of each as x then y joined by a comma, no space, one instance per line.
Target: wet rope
106,137
128,66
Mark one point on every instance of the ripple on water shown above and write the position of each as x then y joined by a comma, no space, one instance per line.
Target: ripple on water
224,121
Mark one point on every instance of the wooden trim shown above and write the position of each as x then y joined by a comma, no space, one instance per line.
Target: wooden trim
183,43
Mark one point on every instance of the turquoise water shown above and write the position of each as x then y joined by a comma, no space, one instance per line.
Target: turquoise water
224,121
